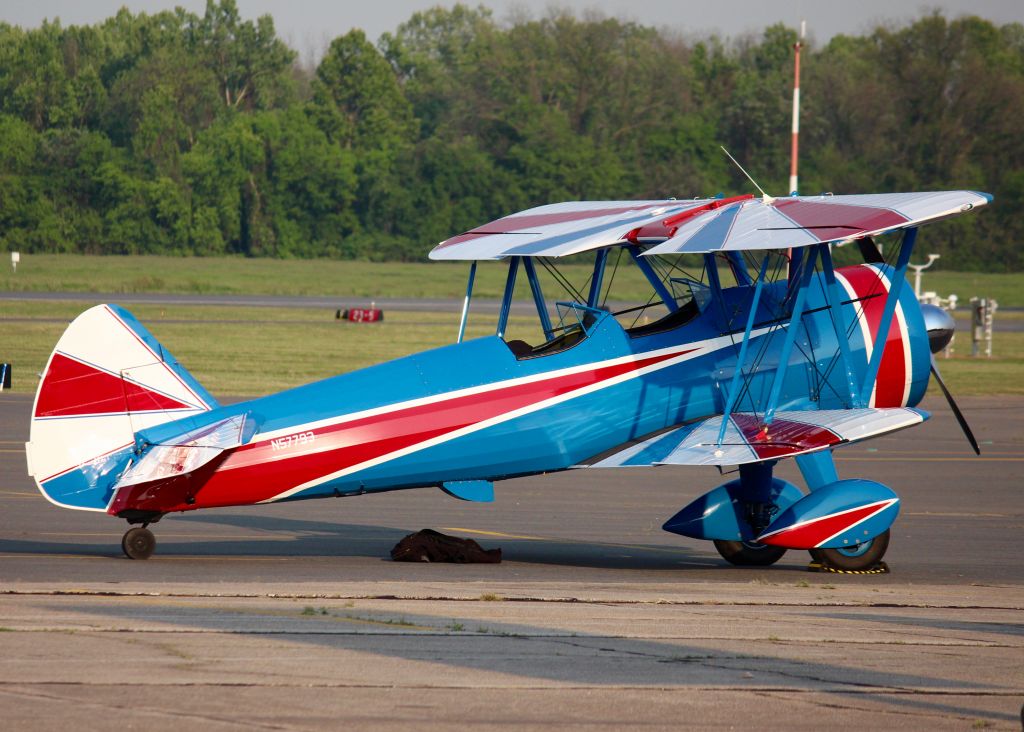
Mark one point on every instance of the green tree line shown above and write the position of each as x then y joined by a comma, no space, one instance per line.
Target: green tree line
202,134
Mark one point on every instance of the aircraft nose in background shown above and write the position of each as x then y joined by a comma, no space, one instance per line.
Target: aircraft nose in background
940,326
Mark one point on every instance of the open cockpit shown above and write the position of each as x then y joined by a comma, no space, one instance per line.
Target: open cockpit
645,297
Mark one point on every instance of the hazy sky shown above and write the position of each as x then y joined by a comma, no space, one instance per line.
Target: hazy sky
308,25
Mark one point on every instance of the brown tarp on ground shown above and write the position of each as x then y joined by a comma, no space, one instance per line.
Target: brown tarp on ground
428,545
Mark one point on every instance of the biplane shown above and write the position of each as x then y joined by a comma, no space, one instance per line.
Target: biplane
752,348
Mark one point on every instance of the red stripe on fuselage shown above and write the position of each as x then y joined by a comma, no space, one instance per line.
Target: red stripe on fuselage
891,383
264,470
72,388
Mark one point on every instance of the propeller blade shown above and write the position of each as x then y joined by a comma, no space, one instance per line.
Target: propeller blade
956,410
869,250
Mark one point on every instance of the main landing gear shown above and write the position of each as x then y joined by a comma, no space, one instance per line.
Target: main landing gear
749,553
858,558
138,543
754,519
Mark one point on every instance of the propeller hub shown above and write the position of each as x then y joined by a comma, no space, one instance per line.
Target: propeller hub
940,326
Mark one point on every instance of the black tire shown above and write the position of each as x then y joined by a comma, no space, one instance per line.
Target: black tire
868,556
749,553
138,543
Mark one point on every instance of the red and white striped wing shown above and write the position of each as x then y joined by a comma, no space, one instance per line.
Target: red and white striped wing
747,440
558,229
798,221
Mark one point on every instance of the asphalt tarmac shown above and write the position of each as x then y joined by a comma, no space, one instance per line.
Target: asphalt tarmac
293,617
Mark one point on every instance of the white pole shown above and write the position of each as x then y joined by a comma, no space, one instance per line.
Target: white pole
796,108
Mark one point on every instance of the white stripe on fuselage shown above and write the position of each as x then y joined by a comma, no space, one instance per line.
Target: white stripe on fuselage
695,350
686,352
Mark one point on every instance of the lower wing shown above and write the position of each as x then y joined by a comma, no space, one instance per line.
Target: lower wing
748,440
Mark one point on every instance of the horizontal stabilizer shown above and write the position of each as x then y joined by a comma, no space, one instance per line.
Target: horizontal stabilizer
748,440
187,452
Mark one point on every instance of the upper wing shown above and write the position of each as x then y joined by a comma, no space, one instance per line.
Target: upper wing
747,440
798,221
702,225
560,229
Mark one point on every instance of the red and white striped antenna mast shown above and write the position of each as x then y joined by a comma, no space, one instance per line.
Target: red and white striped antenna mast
796,108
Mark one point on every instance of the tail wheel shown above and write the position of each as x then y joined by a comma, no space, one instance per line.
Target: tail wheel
749,553
854,558
138,543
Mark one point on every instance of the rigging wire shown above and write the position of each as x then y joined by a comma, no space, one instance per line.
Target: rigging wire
746,391
611,280
860,311
561,279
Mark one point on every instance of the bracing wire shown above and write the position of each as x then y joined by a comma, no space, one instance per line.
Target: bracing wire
611,280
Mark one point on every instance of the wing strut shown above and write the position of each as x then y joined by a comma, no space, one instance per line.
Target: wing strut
742,359
652,277
835,305
881,336
787,345
506,301
465,304
597,280
538,298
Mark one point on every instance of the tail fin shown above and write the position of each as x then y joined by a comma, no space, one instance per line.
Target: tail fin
106,379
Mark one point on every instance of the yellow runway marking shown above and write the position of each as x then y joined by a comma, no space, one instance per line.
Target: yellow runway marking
499,534
164,558
226,558
277,537
52,556
496,533
957,515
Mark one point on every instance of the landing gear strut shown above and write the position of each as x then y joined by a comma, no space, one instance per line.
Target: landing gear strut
138,543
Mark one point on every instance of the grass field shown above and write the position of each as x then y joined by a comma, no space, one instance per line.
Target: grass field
251,351
246,351
239,276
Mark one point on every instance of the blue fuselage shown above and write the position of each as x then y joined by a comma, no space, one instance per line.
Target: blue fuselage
475,411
